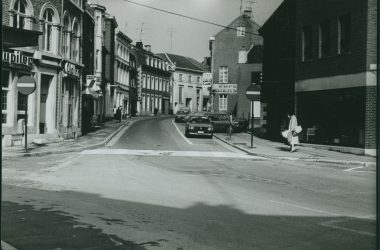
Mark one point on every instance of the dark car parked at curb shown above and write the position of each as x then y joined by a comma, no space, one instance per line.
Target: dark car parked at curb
200,126
221,123
182,116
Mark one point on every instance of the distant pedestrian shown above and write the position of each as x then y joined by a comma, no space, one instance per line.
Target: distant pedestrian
114,112
118,114
292,134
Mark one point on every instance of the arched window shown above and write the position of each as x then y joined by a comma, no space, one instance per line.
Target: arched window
66,37
75,42
19,14
47,29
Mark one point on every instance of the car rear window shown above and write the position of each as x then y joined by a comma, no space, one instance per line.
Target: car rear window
200,119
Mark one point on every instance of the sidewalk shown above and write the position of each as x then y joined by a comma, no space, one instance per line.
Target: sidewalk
277,150
91,140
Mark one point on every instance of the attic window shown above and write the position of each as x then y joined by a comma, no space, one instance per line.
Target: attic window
240,31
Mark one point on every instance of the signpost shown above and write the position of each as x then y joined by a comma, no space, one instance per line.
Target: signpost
26,85
253,94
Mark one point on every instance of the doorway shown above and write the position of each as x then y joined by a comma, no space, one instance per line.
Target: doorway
44,97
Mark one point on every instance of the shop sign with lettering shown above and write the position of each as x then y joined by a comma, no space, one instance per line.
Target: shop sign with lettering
17,59
71,69
225,88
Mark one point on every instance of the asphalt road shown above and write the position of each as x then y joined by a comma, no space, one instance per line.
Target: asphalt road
155,189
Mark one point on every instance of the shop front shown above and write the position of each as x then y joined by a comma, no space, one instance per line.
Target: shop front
333,117
70,101
16,64
90,102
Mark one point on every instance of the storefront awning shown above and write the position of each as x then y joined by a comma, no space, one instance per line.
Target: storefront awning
14,37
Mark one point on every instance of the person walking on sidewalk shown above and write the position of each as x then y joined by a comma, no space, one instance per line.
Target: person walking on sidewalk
118,114
292,135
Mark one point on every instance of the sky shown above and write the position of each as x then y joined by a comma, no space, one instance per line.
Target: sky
189,37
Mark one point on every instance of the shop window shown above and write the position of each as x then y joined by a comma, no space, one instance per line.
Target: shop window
324,39
344,34
222,102
223,74
307,43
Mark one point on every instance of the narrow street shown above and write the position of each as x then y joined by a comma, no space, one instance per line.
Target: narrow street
155,189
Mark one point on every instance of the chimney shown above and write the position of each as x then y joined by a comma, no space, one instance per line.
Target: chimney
148,47
139,45
248,12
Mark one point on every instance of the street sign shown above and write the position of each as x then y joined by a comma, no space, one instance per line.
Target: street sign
26,85
253,92
225,88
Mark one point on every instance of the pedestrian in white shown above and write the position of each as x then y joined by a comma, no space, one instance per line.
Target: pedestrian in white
292,134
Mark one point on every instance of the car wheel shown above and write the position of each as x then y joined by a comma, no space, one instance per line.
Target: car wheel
187,133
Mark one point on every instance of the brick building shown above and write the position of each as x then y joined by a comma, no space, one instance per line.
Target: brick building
335,61
153,81
335,84
232,71
277,90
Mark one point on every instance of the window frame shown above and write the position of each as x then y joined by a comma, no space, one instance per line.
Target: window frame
223,74
307,43
223,102
324,48
240,31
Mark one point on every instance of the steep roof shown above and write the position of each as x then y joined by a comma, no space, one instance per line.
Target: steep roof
243,17
183,62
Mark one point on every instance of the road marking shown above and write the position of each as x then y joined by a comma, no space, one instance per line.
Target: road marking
329,224
351,169
106,151
305,208
179,131
354,169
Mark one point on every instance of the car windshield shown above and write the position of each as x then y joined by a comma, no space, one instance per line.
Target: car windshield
181,112
199,119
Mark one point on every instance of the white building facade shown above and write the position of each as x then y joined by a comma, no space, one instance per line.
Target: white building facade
187,89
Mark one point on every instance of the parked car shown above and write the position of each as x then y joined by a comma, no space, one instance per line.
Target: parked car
182,116
221,122
199,125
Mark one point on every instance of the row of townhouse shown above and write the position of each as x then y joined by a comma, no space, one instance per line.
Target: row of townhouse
320,59
83,68
81,65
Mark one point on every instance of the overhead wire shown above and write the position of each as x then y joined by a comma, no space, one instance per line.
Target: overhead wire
188,17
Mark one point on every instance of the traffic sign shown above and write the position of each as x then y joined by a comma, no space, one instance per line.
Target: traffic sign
26,85
253,92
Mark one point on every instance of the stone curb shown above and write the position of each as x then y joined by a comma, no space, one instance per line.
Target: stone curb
310,159
98,145
6,246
